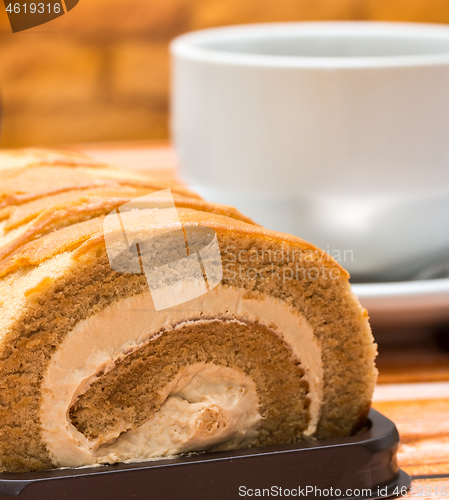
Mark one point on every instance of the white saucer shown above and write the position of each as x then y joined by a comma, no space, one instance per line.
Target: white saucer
408,303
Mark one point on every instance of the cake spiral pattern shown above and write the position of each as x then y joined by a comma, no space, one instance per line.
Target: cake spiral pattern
96,368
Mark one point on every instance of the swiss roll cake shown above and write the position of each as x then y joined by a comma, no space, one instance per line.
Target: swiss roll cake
140,321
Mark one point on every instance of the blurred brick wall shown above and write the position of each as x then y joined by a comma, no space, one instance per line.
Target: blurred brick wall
101,72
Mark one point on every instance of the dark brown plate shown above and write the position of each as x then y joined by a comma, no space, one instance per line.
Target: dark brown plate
362,466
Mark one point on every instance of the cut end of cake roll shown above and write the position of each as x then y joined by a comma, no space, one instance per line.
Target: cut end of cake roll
150,323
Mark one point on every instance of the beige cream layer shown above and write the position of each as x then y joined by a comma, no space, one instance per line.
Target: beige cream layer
96,344
205,405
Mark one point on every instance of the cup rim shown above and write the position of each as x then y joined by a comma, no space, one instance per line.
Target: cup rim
190,46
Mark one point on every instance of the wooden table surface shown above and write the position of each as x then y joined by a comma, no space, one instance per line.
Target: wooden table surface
413,388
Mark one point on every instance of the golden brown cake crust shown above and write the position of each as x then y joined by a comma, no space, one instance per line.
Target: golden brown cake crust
55,273
31,174
86,235
48,191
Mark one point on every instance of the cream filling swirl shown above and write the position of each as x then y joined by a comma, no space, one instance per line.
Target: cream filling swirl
206,405
97,343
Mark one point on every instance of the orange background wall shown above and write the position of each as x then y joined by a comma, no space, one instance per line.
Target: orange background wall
101,72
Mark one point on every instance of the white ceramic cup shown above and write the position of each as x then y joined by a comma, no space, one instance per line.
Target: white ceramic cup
335,132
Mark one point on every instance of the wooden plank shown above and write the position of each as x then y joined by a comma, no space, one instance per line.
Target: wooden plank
156,159
424,429
411,392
